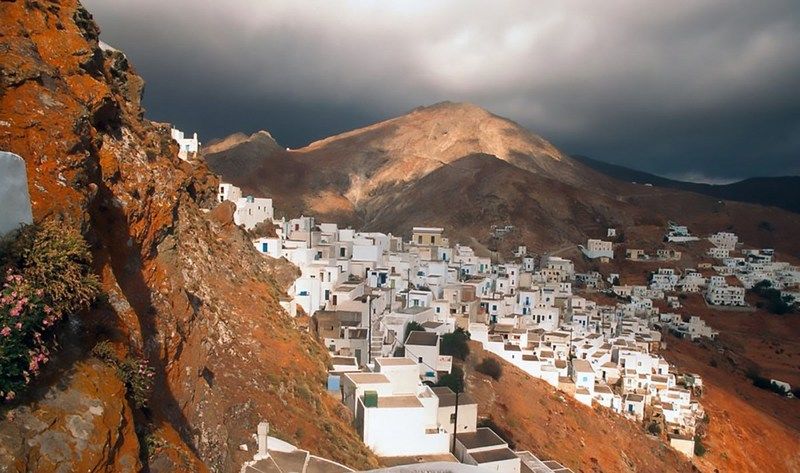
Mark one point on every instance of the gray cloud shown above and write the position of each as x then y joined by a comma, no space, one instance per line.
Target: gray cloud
686,87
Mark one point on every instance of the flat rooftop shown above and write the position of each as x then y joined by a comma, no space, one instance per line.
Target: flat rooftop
413,459
422,338
447,398
582,366
398,401
489,456
481,438
343,360
367,378
395,361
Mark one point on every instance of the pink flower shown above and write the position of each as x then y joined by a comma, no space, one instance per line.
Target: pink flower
47,309
19,325
10,395
6,331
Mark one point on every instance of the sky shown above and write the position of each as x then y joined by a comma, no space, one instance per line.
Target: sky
702,90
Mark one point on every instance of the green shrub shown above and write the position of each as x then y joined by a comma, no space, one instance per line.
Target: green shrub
764,383
138,378
490,367
453,380
456,344
412,327
54,256
699,448
47,277
773,301
135,372
654,428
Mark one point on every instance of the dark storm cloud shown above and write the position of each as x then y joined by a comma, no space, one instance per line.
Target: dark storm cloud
690,88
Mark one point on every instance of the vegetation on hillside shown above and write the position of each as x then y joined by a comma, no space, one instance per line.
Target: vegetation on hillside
135,372
490,367
47,276
412,327
759,381
453,380
456,344
773,301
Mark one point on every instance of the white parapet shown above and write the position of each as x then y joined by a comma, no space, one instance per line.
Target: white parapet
15,209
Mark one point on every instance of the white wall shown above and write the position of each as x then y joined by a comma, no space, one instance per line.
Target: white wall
392,432
15,202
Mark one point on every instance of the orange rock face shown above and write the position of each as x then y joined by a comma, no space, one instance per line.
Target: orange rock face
187,291
82,424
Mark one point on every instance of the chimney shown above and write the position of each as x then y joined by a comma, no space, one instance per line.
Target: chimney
263,432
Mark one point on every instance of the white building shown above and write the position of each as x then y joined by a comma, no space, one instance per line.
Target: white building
423,347
187,147
486,450
250,211
726,295
724,240
395,414
598,249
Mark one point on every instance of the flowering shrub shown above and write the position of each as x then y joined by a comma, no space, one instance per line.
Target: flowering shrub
138,377
46,277
136,373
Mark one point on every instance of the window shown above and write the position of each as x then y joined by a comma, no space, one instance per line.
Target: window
453,418
419,359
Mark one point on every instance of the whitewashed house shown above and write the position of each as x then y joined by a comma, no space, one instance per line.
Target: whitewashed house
724,240
187,147
595,249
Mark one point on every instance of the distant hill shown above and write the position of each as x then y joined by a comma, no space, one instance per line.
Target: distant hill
782,192
461,167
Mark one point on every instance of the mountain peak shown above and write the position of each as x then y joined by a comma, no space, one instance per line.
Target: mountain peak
454,106
262,138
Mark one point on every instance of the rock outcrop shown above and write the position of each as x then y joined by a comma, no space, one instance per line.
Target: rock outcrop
185,290
80,423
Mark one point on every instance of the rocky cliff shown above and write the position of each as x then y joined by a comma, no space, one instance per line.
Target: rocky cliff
184,288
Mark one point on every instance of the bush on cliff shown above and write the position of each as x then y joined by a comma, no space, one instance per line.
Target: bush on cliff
46,272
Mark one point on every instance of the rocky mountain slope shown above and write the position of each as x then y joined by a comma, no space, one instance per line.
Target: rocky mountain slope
461,167
184,288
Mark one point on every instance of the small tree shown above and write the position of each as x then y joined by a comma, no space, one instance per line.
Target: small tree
490,367
654,428
453,380
412,327
456,344
699,448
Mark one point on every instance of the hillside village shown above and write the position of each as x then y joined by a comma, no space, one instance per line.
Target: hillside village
381,304
439,290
